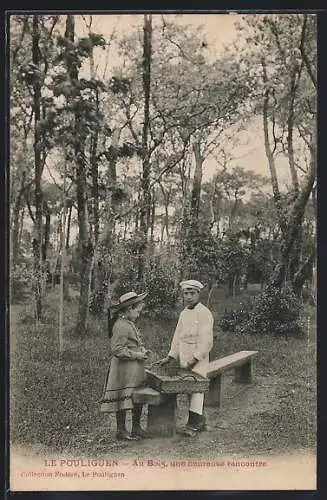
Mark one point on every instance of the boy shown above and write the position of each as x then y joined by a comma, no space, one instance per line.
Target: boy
191,345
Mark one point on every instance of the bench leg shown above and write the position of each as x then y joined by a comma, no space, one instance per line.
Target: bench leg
212,398
162,418
243,373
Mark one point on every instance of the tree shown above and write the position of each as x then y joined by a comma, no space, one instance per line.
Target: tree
285,75
146,192
33,74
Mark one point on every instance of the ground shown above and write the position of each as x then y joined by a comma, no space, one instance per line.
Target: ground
55,409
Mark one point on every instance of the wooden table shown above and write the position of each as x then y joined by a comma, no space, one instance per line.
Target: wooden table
162,401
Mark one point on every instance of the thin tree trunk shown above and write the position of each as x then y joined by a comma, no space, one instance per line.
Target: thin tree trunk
197,180
153,216
145,182
290,130
68,225
16,224
21,227
85,245
112,181
95,185
165,223
270,153
212,287
47,226
37,243
62,267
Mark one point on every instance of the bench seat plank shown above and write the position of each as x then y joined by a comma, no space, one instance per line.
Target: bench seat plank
228,362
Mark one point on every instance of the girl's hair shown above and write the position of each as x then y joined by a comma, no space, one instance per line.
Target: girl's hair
112,318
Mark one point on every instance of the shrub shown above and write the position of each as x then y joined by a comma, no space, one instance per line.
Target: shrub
158,282
20,281
97,299
231,319
273,312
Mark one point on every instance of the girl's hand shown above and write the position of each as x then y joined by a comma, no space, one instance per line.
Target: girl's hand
163,361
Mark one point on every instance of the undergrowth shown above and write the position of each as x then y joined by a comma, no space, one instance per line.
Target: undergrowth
53,401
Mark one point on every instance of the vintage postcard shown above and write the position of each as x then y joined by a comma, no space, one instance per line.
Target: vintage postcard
162,251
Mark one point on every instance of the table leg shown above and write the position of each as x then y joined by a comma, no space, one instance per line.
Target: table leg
162,417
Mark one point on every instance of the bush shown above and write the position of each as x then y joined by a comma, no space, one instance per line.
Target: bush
97,299
159,283
20,282
273,312
231,319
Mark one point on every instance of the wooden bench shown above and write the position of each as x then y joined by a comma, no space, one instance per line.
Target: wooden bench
162,407
240,361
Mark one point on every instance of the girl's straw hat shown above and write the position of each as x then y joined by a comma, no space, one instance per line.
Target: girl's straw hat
128,299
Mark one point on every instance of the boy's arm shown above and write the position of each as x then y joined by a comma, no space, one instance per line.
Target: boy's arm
205,337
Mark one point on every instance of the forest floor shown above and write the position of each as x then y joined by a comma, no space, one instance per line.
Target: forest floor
54,404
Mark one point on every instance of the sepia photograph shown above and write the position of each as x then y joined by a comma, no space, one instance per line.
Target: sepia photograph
162,224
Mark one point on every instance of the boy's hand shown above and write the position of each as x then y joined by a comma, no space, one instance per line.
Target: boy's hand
190,364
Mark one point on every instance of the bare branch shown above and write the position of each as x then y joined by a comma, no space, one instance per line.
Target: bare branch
303,53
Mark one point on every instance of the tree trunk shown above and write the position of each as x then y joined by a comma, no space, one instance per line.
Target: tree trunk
16,224
166,197
85,245
68,225
21,227
153,216
47,227
294,262
295,222
95,185
37,243
197,180
112,181
303,273
94,278
290,130
62,268
145,183
270,153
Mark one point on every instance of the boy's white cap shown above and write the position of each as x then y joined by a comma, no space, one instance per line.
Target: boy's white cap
196,285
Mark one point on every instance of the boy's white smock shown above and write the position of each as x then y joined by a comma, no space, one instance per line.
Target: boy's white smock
193,338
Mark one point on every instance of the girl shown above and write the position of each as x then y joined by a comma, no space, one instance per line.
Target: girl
127,367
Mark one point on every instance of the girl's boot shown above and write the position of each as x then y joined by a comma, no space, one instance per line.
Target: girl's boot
137,430
122,433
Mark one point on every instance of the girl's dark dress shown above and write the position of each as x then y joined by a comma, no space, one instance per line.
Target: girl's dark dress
126,371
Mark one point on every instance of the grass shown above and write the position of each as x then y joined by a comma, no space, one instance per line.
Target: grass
54,403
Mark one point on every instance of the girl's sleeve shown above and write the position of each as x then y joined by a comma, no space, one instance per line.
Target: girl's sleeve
205,337
120,344
174,347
